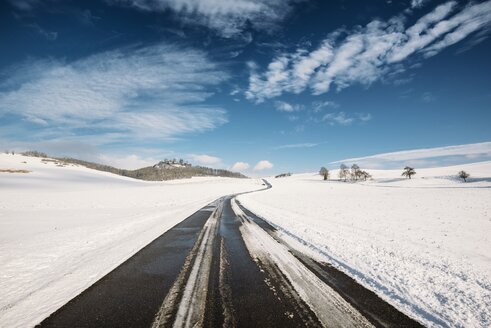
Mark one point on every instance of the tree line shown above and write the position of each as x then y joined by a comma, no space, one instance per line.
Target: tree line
353,174
356,174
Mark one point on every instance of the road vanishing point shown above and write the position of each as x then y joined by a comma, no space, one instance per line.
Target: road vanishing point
226,267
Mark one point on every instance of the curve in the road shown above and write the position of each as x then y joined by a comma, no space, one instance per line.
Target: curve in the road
225,267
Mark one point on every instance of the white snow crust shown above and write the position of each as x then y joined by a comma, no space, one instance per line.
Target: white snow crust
64,227
424,244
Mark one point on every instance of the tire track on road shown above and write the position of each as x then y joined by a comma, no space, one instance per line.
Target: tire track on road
224,266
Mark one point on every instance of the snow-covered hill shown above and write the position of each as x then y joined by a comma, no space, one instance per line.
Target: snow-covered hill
62,227
422,244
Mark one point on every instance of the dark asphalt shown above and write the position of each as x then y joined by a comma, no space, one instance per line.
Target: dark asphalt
131,294
239,292
256,300
372,307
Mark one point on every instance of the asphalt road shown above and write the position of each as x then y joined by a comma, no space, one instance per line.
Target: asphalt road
225,267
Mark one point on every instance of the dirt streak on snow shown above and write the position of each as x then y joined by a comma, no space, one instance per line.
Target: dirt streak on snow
421,244
63,228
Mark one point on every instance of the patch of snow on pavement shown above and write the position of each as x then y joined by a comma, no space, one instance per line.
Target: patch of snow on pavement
421,244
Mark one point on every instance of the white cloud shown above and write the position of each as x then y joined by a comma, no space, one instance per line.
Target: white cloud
263,165
343,118
24,4
271,83
226,17
469,151
364,117
48,35
423,32
283,106
205,159
367,54
320,105
151,92
473,18
418,3
293,118
240,166
305,66
428,97
298,145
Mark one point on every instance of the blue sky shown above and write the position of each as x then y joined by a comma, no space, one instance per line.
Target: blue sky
260,86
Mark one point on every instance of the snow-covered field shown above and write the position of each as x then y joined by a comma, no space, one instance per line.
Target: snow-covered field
422,244
63,228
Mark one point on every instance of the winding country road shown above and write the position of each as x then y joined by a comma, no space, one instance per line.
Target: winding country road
225,267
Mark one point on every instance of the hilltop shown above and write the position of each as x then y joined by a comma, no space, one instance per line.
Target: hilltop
64,226
162,171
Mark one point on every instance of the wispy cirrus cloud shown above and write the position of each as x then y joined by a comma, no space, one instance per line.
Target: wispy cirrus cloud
48,35
298,145
153,93
226,17
318,106
283,106
367,54
24,4
469,152
343,118
418,3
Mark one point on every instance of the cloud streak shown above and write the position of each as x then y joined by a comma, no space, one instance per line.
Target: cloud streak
153,93
24,4
283,106
205,159
48,35
298,145
342,118
418,3
367,54
226,17
469,151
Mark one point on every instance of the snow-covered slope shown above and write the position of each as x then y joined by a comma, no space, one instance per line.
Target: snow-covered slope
64,227
422,244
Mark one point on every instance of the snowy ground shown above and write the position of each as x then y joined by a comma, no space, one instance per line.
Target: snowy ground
63,228
422,244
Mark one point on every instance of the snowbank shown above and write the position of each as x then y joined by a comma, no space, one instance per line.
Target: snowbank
422,244
64,227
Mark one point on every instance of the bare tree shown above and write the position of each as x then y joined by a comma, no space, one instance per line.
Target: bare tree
464,175
324,172
365,175
408,172
343,172
355,172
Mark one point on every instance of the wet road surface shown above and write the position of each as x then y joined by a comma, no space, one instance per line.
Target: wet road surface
225,267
